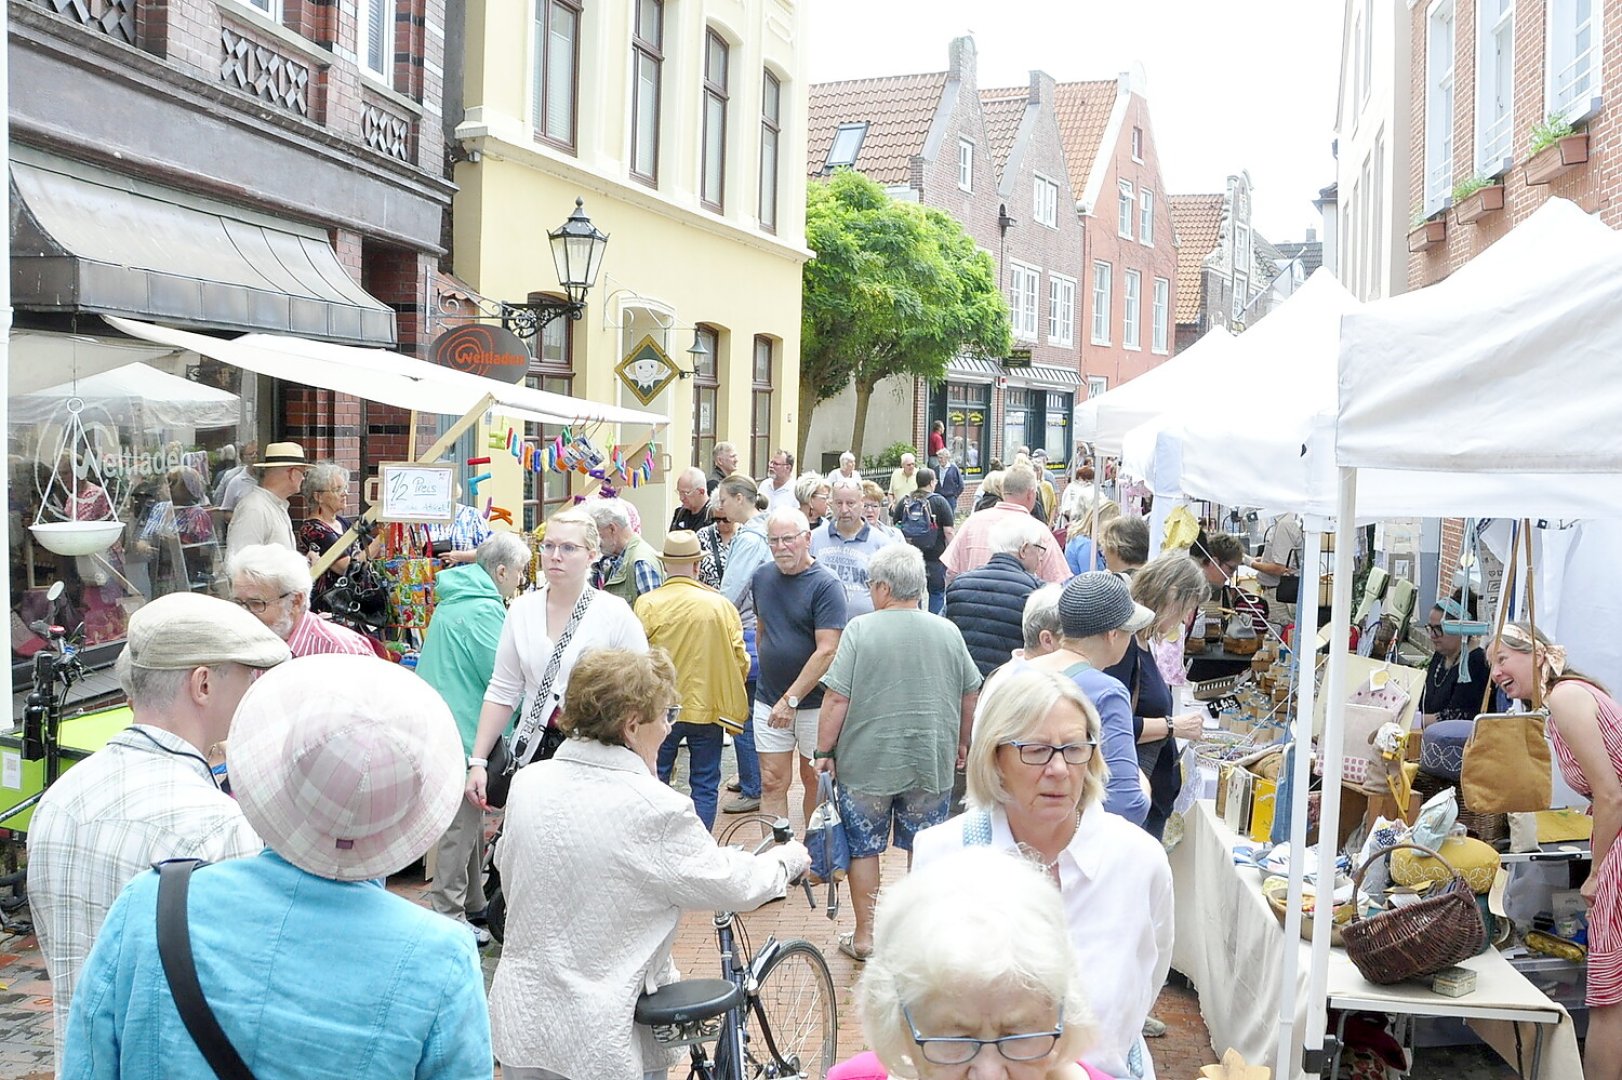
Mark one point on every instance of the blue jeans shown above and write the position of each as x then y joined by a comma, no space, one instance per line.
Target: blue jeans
704,761
743,746
937,601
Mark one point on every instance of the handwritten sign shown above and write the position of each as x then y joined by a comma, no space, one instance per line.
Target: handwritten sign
417,493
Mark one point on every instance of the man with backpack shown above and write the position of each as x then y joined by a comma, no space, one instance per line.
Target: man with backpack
925,520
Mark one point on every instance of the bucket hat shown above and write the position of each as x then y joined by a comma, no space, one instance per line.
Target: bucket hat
280,454
1098,601
681,545
348,767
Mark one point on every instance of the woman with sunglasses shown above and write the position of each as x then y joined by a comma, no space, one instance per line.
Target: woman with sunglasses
1036,784
1456,674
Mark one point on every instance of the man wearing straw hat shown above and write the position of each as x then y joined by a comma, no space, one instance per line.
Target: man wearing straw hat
350,770
149,794
261,516
704,636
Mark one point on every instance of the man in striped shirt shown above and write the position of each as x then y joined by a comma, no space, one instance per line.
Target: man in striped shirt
273,583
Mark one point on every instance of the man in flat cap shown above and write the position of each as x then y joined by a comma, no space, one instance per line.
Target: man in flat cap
149,794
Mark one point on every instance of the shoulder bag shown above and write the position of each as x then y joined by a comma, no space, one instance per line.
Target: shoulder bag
180,970
1288,590
536,739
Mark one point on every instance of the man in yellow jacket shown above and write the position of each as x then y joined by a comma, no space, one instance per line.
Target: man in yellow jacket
701,630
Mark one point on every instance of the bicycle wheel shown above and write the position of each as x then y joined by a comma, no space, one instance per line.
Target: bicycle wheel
747,832
791,1026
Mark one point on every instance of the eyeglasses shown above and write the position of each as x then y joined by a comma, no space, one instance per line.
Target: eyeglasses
1434,629
962,1049
256,605
1036,753
785,541
549,549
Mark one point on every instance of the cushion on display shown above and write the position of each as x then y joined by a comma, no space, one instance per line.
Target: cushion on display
1441,748
1475,861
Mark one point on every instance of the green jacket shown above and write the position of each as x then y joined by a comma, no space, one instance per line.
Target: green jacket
622,582
459,652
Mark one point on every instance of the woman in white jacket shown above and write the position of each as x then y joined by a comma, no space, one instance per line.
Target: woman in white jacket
599,860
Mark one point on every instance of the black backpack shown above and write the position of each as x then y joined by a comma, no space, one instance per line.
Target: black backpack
918,524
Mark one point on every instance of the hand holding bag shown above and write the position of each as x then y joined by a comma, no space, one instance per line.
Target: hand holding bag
1507,765
825,836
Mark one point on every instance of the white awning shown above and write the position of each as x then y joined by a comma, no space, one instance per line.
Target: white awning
137,393
385,377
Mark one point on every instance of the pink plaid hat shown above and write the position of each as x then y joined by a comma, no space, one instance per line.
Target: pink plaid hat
348,767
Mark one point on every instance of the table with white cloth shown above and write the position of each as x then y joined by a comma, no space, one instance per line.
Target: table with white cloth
1230,946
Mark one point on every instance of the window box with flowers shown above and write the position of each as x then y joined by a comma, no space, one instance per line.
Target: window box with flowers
1427,234
1556,149
1477,197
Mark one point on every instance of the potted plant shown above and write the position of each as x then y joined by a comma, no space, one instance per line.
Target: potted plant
1556,148
1476,197
1425,233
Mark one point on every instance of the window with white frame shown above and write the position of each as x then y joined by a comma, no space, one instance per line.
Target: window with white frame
1045,202
1131,309
1146,217
1101,302
1360,86
1572,68
557,65
1023,283
1160,313
713,168
1061,310
1126,202
1241,247
1137,144
272,8
771,111
647,61
1438,105
965,164
1097,385
375,37
1241,298
846,146
1495,84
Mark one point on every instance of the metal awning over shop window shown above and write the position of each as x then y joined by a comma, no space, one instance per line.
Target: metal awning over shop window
1047,376
86,239
973,367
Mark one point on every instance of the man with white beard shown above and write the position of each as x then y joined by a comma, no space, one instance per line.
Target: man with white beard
273,583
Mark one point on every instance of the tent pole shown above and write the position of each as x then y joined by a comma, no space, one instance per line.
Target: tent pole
1334,751
411,436
444,442
1098,494
1306,652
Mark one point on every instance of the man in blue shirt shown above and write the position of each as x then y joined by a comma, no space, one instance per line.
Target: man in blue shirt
950,477
847,543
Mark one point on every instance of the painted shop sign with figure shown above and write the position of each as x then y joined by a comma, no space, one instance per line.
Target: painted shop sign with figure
647,370
491,351
424,494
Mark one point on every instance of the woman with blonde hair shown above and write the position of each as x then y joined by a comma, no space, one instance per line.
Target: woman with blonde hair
1585,725
1036,785
1078,548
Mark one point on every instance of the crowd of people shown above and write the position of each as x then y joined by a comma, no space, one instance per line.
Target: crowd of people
991,666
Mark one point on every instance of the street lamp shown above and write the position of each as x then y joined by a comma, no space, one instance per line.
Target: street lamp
577,252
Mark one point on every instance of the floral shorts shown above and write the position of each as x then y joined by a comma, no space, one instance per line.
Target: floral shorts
870,820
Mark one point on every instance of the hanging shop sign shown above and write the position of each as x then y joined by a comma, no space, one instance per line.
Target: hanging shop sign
491,351
647,370
1017,358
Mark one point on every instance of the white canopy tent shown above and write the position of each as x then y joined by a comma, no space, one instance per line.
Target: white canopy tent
1197,375
139,393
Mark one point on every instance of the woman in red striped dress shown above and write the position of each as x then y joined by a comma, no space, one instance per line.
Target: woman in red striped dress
1586,726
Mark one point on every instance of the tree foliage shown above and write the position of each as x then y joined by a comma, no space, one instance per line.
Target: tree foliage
895,289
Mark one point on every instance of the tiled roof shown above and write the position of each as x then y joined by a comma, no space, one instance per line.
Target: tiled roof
1003,110
1197,222
898,110
1083,110
1311,254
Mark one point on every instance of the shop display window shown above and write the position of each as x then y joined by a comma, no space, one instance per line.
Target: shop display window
968,418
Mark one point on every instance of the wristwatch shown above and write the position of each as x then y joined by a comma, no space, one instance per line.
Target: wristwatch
822,755
793,702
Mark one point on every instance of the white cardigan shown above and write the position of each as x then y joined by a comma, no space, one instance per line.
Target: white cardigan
598,860
525,646
1116,886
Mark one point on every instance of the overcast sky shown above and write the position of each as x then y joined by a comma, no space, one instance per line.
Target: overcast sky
1233,84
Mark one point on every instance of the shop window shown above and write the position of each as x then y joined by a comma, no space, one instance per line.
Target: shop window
1016,419
1056,438
760,408
552,369
557,70
712,179
648,61
968,413
706,397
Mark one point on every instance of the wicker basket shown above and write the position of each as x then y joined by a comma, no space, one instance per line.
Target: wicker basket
1416,939
1488,828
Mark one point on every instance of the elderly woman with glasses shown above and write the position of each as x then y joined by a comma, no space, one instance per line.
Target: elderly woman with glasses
326,488
545,634
1036,785
600,859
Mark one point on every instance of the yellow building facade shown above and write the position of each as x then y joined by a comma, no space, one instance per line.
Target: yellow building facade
681,124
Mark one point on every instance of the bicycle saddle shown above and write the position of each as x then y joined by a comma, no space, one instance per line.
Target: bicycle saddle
686,1001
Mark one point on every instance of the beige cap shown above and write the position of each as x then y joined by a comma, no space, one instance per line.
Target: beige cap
185,630
681,545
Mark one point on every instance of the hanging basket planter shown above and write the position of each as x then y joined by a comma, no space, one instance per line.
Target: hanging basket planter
77,486
76,537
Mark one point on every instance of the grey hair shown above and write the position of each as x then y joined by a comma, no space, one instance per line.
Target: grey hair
694,475
1008,537
805,488
723,448
852,482
503,549
847,456
901,567
608,512
1042,613
978,919
323,475
1170,586
793,516
1020,706
272,565
154,688
1018,479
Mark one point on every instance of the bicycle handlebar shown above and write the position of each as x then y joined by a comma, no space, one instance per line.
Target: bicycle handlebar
782,833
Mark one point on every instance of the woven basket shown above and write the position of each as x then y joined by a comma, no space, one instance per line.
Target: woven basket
1417,939
1488,828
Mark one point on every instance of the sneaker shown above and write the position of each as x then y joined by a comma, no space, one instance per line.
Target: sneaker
481,935
743,804
1153,1028
735,787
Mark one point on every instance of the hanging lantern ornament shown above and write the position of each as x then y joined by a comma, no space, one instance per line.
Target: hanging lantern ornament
82,521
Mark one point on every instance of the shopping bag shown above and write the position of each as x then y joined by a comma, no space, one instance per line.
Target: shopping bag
1507,768
825,836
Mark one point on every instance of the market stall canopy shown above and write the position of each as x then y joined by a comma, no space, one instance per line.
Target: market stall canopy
1510,365
385,377
1194,377
136,393
85,239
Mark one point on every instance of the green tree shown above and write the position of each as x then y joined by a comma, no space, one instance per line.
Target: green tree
895,289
